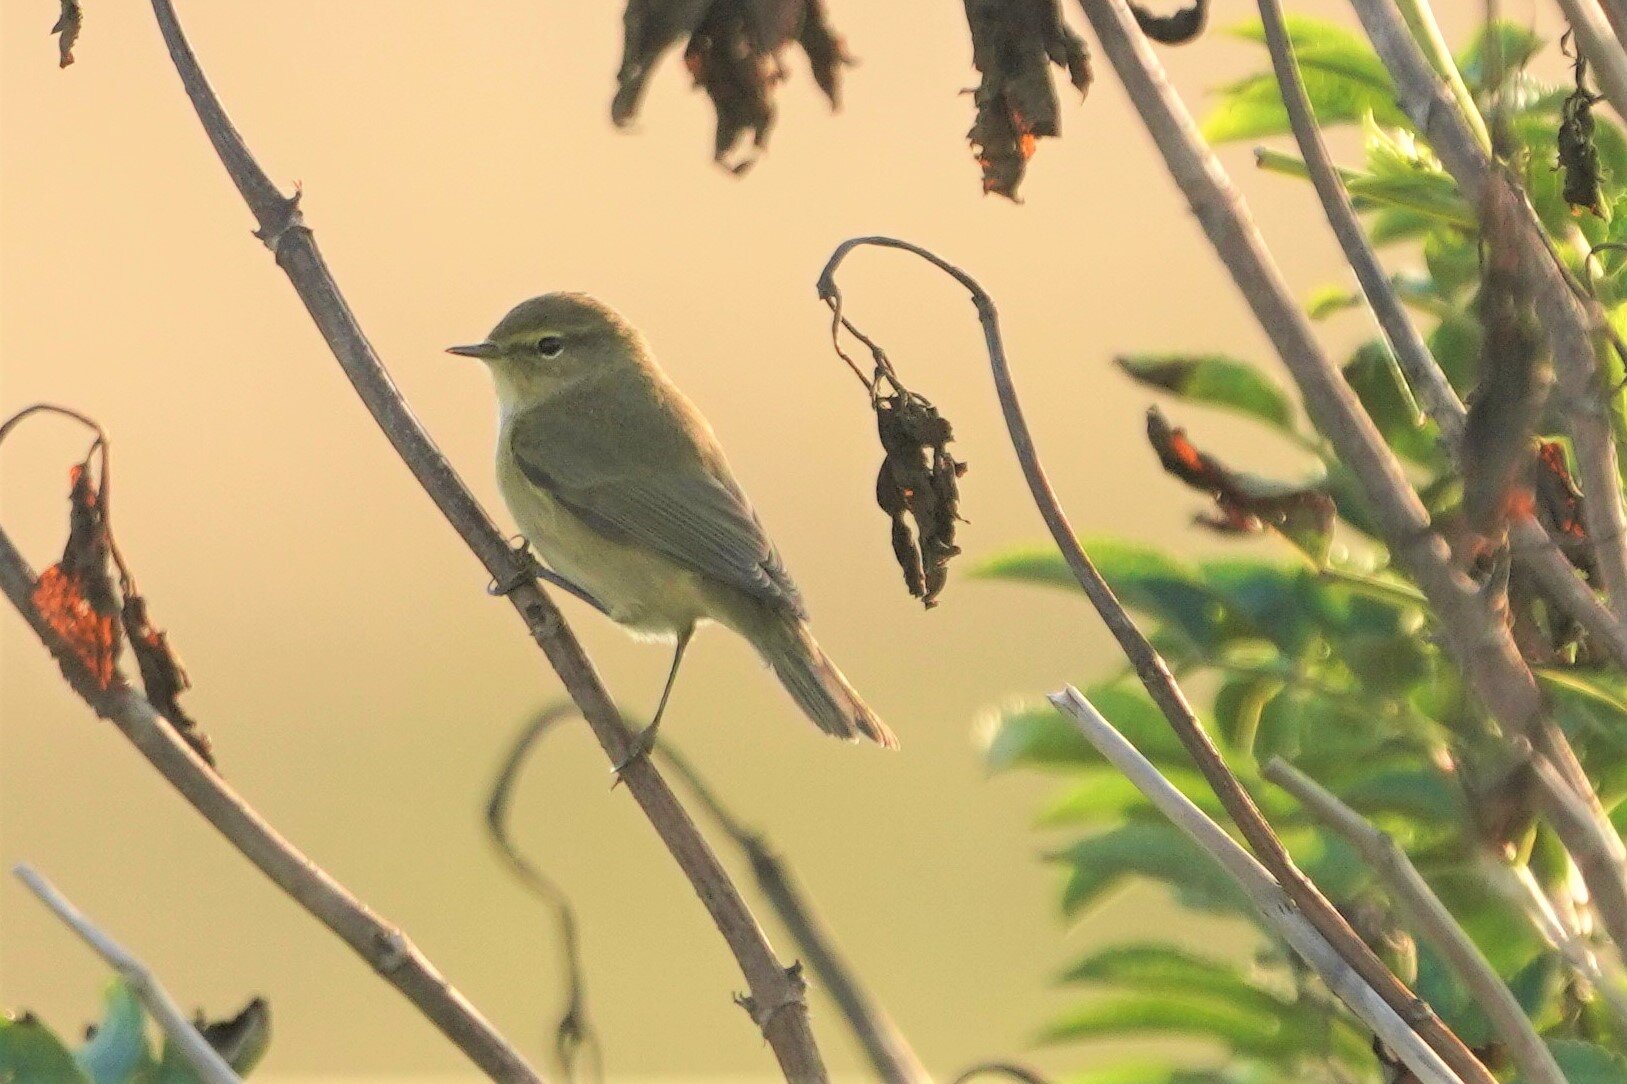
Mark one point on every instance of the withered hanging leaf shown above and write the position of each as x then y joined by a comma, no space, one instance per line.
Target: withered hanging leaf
162,675
1514,381
1244,503
733,54
242,1039
76,597
67,31
1014,42
1578,157
918,480
1176,28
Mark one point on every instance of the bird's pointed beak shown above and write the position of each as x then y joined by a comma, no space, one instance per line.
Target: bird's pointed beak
485,351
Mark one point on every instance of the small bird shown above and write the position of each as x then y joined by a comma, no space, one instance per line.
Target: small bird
619,485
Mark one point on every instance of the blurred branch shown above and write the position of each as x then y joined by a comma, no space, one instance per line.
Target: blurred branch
1011,1070
1430,917
1601,860
1160,683
776,1003
1270,902
574,1032
1571,319
204,1059
383,946
888,1051
1533,547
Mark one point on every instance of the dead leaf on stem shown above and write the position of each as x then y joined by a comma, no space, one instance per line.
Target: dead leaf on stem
734,54
1245,503
67,29
1014,42
918,480
75,597
1176,28
162,675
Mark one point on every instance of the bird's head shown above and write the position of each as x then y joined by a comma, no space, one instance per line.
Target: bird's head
549,340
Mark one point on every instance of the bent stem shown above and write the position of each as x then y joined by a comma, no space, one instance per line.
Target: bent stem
1155,675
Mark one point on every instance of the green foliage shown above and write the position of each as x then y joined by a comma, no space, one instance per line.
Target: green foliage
118,1050
1329,662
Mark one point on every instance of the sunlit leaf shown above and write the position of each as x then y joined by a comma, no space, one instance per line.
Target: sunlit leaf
1158,851
119,1048
1213,379
30,1052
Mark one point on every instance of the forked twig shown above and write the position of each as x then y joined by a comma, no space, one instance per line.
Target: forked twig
1155,675
204,1059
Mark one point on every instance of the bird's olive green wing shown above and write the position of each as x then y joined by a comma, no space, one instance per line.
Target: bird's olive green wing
627,466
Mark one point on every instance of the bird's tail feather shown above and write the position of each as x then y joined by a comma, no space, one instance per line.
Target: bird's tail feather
819,688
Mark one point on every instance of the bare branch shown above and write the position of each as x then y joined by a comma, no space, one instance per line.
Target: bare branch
776,1003
204,1059
382,945
1430,917
1155,675
1272,904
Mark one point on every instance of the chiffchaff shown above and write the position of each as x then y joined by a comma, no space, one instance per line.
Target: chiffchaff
618,483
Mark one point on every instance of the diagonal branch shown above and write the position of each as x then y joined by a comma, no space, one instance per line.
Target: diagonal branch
1155,675
1430,917
776,1002
204,1059
382,945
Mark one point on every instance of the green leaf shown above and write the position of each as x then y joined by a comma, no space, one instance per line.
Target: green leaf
1587,1063
1343,79
1035,735
1155,967
1155,850
1516,46
30,1052
119,1048
1278,601
1244,1031
1417,793
1105,795
1372,375
1214,379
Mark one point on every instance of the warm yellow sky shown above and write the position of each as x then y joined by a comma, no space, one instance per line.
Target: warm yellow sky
360,687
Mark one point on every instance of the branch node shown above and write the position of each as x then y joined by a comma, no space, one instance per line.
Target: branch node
795,995
394,951
288,217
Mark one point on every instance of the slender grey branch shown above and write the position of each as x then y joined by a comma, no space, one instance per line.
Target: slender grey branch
204,1059
382,945
1534,548
1161,685
888,1051
1474,633
777,1002
1431,919
1270,901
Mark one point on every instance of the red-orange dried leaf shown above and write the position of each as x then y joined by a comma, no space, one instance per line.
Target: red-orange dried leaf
1014,42
75,597
1244,503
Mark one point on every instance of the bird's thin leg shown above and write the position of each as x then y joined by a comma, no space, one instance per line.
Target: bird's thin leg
645,741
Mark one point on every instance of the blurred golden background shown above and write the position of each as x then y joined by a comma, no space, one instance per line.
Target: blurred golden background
361,688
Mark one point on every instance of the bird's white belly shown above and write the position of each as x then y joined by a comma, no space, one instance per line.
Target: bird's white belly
650,595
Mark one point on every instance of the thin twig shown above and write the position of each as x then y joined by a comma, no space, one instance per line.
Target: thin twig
204,1059
1571,319
1272,904
777,1001
1597,42
1431,919
1533,547
889,1052
574,1032
382,945
1161,685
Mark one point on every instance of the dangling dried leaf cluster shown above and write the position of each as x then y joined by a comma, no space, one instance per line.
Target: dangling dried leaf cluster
734,54
1014,42
1578,157
67,29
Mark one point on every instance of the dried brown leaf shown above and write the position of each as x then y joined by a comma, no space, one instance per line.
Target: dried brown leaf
919,481
1014,42
76,597
67,29
1176,28
162,675
1244,503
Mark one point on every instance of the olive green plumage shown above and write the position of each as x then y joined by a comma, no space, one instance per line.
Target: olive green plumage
619,484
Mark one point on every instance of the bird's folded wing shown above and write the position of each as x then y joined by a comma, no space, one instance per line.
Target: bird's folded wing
654,489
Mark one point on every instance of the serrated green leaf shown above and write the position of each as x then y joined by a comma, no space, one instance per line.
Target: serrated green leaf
29,1051
1158,851
1216,380
119,1048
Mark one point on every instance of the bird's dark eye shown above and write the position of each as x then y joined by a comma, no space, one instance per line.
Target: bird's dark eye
550,346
